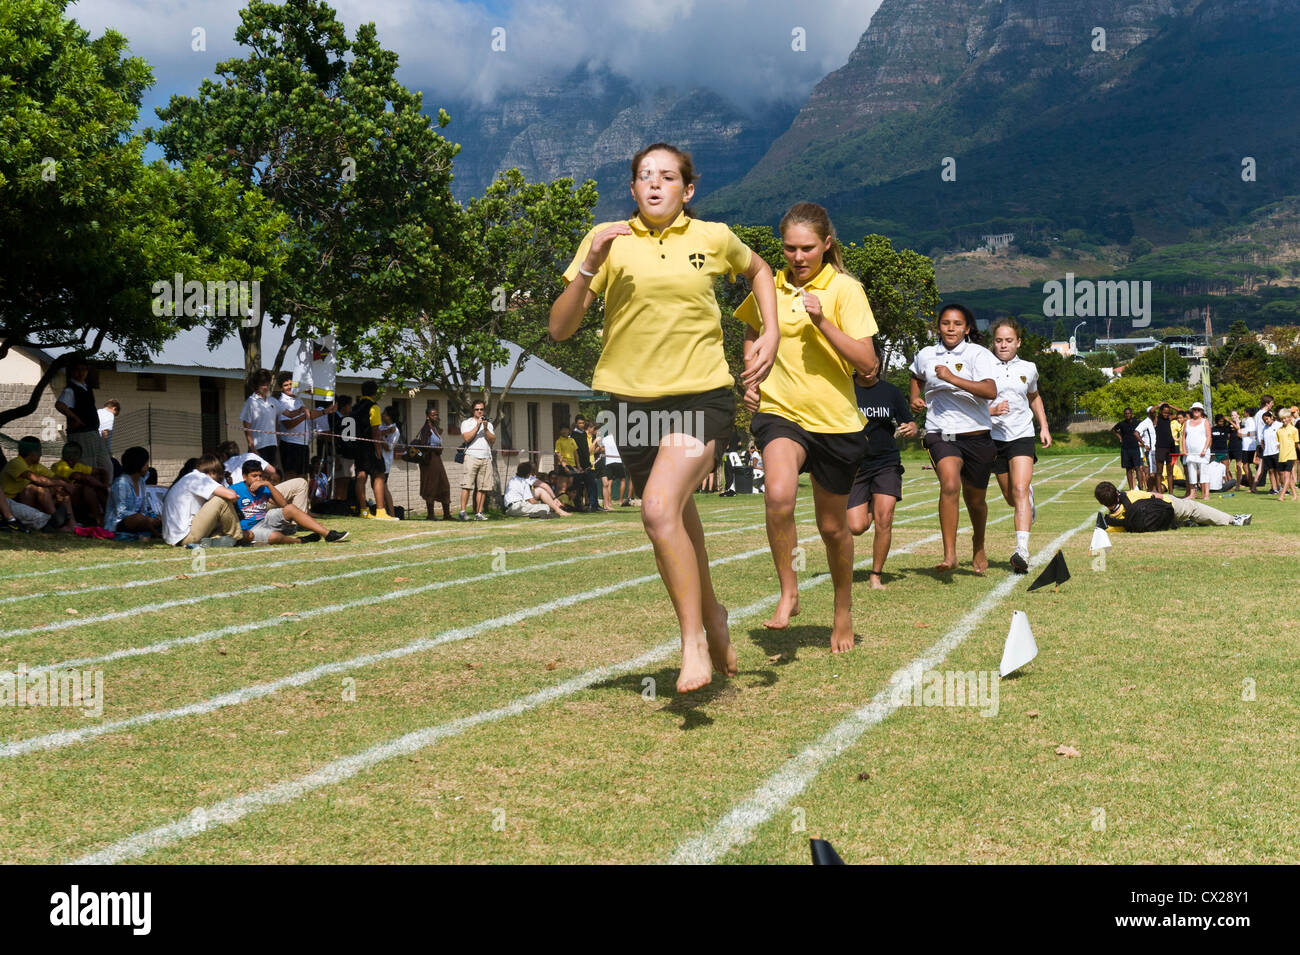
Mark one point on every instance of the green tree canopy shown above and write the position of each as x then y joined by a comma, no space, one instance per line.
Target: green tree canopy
1158,361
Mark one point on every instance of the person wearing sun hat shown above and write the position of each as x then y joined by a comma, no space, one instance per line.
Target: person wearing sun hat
1194,440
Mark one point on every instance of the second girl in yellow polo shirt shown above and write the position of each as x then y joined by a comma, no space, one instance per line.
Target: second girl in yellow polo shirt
807,413
663,363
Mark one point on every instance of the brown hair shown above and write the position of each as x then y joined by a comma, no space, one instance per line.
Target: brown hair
684,165
972,333
817,219
1008,321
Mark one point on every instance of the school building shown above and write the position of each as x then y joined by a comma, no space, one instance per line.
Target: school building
188,400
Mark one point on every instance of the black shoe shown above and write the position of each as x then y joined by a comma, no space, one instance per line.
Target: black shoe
1018,563
334,537
626,504
311,538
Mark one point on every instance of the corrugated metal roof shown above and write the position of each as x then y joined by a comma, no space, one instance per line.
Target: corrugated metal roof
188,354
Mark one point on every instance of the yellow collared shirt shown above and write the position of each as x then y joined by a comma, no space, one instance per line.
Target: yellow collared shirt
811,384
663,328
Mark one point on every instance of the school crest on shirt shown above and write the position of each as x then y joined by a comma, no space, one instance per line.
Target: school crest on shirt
697,260
1024,380
958,366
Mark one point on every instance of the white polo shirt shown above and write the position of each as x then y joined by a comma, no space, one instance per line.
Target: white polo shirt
1016,380
1259,428
1270,439
612,455
259,415
1248,433
479,447
296,433
949,408
183,502
1147,428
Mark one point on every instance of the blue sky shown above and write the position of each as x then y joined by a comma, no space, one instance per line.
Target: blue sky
741,49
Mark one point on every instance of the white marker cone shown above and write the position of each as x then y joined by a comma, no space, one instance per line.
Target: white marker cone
1100,539
1020,647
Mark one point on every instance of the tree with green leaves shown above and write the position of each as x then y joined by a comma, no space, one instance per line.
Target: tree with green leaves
1161,361
319,125
87,227
901,288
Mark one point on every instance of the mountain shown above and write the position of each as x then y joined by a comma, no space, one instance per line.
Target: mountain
590,122
1047,134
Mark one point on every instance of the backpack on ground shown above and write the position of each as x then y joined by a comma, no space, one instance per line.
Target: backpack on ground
1150,514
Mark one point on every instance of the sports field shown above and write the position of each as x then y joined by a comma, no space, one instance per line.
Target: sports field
504,692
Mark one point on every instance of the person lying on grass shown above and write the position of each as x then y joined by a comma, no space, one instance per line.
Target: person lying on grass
271,519
1142,511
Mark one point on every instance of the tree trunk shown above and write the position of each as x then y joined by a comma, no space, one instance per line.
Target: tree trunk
284,344
250,337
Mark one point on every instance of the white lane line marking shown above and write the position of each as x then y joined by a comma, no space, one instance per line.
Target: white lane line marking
737,826
232,810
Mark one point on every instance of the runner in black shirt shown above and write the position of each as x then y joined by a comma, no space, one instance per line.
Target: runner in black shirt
1220,437
1130,449
1165,447
879,482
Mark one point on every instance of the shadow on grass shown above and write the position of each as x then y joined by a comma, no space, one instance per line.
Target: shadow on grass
58,542
946,576
789,641
886,577
689,706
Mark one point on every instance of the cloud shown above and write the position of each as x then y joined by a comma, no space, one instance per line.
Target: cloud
741,48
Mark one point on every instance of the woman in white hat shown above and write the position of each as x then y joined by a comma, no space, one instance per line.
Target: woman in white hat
1196,451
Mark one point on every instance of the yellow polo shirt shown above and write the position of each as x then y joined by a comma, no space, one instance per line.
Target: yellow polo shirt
663,328
811,384
66,471
566,449
1286,443
14,479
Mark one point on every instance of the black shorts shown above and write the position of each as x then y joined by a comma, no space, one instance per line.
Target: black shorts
832,459
1163,455
367,460
977,452
615,471
1130,458
873,479
294,457
1272,464
1018,448
270,454
708,416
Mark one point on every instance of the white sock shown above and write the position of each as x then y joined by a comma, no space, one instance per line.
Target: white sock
1022,541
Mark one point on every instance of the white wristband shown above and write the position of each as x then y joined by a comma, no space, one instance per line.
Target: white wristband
590,275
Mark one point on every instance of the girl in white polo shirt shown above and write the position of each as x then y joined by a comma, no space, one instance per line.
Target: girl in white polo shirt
956,376
1014,412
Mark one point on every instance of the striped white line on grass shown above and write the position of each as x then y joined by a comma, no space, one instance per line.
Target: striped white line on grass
205,636
737,826
338,554
66,624
257,691
186,557
229,811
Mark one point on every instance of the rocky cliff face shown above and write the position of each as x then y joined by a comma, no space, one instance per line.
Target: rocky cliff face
591,122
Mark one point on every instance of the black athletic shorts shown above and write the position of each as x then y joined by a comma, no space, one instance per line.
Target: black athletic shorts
368,460
1129,458
977,452
270,454
1162,456
711,412
1019,448
832,459
1271,462
615,471
294,457
876,479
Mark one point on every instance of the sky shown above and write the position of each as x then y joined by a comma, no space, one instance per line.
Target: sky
741,49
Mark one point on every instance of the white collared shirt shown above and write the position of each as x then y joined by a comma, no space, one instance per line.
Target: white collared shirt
291,433
949,408
259,416
1016,379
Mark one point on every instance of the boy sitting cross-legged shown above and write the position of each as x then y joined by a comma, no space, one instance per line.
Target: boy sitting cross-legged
271,518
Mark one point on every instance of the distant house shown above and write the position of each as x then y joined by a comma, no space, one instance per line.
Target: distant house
1001,240
1062,348
1140,344
188,399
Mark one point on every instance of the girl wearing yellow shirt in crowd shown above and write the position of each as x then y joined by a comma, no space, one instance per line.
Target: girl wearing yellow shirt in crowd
662,361
807,413
1287,436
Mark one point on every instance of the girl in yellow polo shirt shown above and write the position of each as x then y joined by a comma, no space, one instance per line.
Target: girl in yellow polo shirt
807,412
662,361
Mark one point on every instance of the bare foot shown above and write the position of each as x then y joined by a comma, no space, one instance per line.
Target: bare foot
980,563
785,609
842,632
876,583
696,668
721,652
947,565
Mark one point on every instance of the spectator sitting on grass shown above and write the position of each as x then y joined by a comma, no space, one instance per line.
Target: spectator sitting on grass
197,505
297,491
89,490
9,511
126,511
27,481
271,519
528,497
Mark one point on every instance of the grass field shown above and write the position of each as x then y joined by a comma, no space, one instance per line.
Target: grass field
482,693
